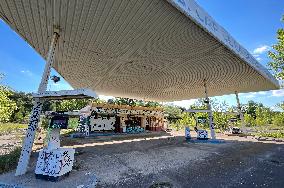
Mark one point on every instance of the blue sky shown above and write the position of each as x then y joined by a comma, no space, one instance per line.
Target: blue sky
253,23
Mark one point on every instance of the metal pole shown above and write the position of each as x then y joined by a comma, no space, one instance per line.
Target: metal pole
35,116
240,111
211,122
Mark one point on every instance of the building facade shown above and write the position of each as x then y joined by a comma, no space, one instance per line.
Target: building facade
122,118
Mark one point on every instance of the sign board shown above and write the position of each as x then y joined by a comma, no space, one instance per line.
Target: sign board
233,120
202,120
59,122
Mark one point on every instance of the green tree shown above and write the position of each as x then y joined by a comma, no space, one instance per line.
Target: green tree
281,105
7,106
199,104
220,115
186,120
70,105
173,113
24,103
278,119
277,55
263,116
48,106
249,120
251,107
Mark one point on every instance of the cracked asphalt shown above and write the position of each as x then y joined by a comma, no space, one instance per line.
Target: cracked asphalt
169,162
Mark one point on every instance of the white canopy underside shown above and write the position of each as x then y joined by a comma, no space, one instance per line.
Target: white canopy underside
144,49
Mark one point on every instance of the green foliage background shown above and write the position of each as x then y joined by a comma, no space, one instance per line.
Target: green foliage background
7,106
277,55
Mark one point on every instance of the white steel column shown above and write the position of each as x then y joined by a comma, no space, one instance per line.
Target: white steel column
240,111
210,114
35,116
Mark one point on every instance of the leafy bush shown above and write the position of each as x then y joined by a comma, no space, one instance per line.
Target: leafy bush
249,120
278,119
73,123
7,106
176,126
44,121
9,161
278,134
186,120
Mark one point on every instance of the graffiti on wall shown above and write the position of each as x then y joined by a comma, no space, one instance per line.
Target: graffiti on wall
28,142
202,134
105,119
116,111
101,123
55,162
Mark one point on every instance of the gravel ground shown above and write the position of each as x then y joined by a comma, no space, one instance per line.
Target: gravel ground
9,142
170,161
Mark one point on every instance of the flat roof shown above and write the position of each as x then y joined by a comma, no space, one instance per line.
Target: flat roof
66,94
145,49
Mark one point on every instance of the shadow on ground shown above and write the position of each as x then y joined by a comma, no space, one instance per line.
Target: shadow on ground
166,161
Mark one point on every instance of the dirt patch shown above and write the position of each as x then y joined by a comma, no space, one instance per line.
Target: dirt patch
164,162
9,142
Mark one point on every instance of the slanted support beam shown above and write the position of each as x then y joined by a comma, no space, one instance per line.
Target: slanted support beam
240,110
210,114
35,116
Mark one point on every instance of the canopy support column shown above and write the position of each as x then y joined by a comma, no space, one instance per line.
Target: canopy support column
35,116
240,110
210,114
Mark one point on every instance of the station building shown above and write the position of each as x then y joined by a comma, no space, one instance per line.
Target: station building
122,118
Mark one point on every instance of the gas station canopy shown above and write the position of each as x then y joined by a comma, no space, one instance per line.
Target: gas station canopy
66,94
144,49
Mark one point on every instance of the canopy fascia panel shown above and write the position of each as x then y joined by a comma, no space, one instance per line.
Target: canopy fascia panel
66,94
191,9
145,49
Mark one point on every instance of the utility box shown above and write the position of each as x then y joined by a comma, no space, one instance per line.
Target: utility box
202,135
187,133
53,161
52,164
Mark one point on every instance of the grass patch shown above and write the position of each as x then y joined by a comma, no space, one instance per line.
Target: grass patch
7,128
9,161
278,134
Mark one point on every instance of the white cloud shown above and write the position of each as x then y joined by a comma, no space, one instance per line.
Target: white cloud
249,96
278,93
27,72
274,108
258,59
58,86
185,103
255,94
106,98
262,93
261,50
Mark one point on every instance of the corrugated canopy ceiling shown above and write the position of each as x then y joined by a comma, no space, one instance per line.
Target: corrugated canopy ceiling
145,49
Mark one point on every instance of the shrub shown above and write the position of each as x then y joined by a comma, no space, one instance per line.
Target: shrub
277,134
9,161
73,123
278,119
249,120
